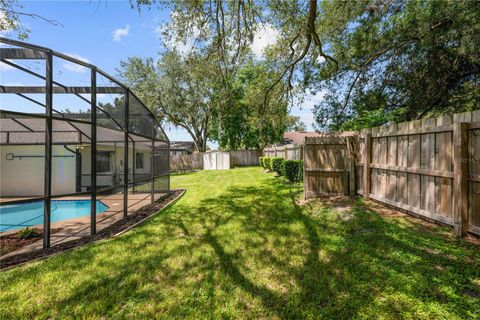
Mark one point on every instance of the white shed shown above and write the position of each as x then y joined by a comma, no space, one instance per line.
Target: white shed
216,160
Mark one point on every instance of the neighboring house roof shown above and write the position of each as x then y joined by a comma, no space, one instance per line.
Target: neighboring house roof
32,131
182,145
298,137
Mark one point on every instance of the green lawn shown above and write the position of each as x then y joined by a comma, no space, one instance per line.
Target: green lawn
238,246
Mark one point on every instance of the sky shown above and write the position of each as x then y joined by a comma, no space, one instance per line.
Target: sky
104,33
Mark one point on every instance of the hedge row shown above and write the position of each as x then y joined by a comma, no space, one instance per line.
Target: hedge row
290,169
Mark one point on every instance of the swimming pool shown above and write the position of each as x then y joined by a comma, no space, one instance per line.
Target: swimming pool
16,216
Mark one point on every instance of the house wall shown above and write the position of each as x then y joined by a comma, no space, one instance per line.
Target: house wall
25,177
106,179
179,152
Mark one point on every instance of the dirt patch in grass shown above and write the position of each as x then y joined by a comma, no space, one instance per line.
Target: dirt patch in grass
117,227
346,205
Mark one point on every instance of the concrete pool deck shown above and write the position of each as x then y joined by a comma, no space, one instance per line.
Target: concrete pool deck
72,229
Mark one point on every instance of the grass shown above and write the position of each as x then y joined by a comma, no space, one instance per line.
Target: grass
238,246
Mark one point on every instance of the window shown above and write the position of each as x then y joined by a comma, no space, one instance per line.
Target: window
103,161
139,160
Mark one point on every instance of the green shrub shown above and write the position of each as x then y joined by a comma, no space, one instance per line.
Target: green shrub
261,161
293,170
266,162
300,170
27,233
276,165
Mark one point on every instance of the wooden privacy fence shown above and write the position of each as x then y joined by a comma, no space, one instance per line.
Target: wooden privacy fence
328,163
185,162
194,161
287,152
241,158
429,167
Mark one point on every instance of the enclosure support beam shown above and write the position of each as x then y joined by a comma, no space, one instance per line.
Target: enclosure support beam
460,184
152,167
366,165
48,151
134,162
23,53
168,163
61,89
93,155
125,156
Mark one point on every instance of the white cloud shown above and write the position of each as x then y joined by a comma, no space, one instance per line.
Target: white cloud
119,33
73,66
263,38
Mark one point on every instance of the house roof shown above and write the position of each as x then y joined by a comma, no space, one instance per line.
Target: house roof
21,130
298,137
182,145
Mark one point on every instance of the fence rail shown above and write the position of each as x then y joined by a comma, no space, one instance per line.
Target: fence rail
429,167
287,152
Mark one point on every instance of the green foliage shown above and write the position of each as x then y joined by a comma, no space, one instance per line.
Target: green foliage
243,119
10,14
260,161
266,163
27,233
295,124
292,170
276,164
189,92
177,88
396,61
400,61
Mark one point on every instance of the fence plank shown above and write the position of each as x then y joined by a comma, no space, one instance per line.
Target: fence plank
460,191
366,165
351,164
474,170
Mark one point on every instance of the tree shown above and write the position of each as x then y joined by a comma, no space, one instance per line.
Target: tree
11,14
243,120
295,124
177,89
379,60
399,60
225,29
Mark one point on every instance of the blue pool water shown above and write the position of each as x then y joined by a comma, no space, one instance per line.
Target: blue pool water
16,216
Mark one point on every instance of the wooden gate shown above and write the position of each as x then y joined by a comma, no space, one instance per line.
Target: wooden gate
329,166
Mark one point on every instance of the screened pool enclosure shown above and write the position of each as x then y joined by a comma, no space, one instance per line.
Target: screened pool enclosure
78,149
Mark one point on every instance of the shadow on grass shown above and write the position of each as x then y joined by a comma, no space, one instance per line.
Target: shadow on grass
253,252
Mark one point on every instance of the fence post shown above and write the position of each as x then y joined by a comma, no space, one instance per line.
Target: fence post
351,166
366,165
460,186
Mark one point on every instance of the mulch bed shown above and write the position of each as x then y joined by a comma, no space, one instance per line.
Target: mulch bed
107,232
11,242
